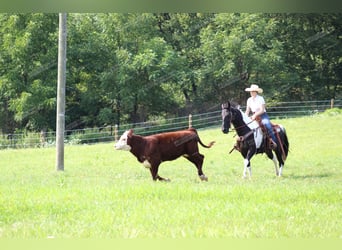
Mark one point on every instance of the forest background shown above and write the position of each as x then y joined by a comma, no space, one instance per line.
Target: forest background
136,67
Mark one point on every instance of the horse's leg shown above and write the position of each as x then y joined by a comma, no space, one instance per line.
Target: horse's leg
247,168
280,169
247,163
275,161
281,162
273,157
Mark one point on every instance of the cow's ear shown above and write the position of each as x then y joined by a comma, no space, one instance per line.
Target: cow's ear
130,132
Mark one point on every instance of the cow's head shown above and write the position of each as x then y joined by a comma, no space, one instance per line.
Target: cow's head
122,143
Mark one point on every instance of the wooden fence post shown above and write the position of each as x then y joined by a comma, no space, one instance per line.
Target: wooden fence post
332,103
116,132
42,137
190,121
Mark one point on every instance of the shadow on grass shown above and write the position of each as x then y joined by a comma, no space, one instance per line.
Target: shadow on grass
310,176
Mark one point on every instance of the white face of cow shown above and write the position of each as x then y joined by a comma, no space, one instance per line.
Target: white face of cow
122,142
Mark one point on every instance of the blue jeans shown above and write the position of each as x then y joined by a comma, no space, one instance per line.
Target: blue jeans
267,123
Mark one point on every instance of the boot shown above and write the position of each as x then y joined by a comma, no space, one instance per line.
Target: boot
273,145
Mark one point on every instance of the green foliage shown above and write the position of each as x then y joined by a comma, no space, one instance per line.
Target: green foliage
105,193
20,140
125,68
89,136
29,52
333,112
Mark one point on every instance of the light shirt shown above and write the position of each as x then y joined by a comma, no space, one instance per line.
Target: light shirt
255,103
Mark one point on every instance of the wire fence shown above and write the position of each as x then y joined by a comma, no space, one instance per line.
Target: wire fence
111,133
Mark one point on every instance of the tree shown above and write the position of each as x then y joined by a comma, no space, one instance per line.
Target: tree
28,52
239,49
142,67
134,67
182,32
87,59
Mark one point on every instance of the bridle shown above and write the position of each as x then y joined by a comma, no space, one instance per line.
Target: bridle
228,113
242,126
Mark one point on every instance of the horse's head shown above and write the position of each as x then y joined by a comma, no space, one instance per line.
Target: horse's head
226,117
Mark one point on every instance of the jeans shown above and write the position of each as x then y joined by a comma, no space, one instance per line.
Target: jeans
267,123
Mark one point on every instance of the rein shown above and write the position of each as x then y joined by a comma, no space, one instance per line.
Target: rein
245,125
240,140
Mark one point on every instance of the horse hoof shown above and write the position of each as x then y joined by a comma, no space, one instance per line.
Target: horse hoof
163,179
203,177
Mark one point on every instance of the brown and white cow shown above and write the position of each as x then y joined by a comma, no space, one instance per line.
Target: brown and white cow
152,150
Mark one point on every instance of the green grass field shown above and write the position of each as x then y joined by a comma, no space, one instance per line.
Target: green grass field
105,193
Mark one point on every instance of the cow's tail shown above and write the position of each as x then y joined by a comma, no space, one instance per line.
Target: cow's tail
200,142
206,146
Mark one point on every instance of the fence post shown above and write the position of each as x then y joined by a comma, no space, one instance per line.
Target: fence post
332,103
190,121
10,137
116,132
42,137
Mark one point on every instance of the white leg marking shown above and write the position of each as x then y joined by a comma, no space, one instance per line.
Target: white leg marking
147,164
275,161
245,163
281,170
203,177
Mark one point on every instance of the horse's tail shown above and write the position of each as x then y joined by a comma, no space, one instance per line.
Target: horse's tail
286,144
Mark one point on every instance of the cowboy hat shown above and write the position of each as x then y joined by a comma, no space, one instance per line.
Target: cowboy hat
255,88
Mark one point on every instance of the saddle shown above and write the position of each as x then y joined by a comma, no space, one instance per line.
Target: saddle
269,144
240,140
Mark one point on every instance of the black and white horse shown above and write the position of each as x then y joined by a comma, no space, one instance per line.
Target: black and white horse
252,139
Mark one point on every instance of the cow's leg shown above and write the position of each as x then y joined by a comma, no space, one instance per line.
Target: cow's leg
197,159
154,172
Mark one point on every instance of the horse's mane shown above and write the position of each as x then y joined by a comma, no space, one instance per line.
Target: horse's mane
247,120
234,105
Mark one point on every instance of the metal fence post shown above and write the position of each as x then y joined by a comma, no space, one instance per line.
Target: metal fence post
190,121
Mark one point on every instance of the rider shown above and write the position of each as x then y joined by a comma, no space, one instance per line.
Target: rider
256,104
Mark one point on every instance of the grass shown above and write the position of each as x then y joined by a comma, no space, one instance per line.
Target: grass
105,193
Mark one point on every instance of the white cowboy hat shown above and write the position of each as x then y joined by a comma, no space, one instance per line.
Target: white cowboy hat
254,87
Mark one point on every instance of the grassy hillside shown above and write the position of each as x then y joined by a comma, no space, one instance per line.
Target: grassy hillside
105,193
